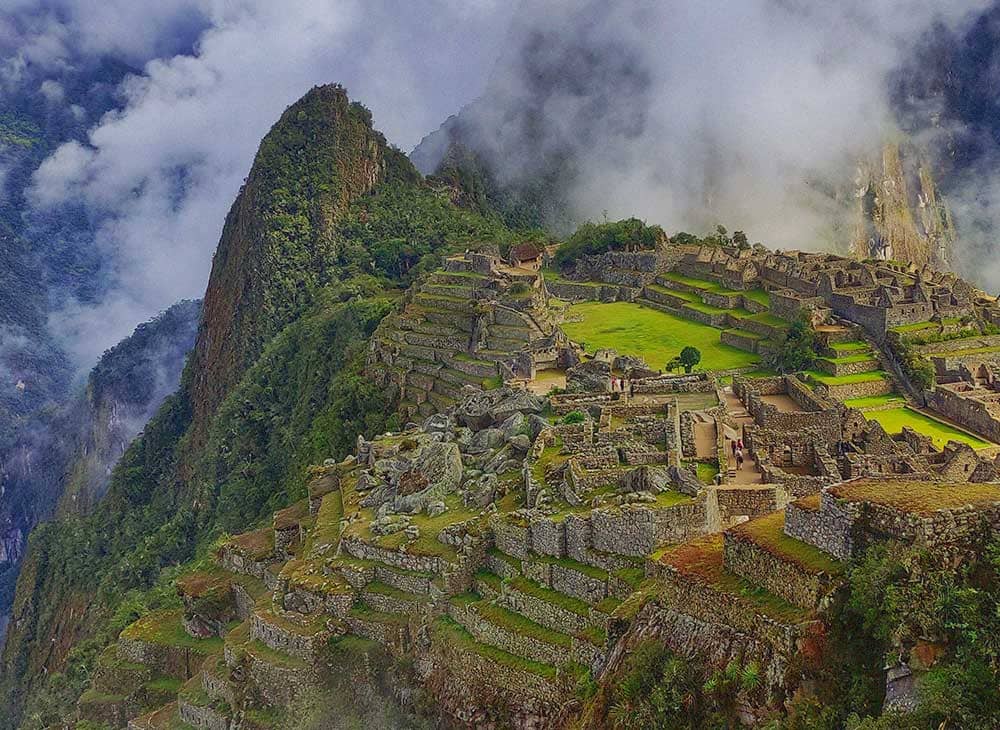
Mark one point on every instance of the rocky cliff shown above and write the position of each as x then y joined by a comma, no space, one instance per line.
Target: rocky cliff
900,213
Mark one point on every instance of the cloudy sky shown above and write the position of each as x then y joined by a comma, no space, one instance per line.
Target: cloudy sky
768,93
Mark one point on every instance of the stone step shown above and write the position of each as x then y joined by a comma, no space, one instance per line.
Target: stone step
760,552
164,718
389,629
443,302
536,679
510,332
384,598
462,321
471,365
300,637
197,709
545,606
304,587
440,401
411,581
504,629
503,344
462,291
425,327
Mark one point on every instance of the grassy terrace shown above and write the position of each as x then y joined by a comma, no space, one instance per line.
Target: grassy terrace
894,419
651,334
770,319
701,560
512,621
920,326
446,631
768,533
845,379
536,590
875,401
853,346
166,629
706,471
965,351
557,278
922,498
848,359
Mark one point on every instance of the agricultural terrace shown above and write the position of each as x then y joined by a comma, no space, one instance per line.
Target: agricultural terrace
653,335
893,420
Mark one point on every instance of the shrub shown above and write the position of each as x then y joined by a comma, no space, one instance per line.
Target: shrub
574,417
630,234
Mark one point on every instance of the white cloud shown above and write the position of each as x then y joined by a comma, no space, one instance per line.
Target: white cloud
160,174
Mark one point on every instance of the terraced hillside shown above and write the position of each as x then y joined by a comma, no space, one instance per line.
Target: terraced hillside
463,327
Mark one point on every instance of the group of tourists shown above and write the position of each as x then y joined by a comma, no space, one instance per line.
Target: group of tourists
618,385
737,447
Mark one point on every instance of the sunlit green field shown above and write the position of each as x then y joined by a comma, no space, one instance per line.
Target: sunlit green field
894,419
653,335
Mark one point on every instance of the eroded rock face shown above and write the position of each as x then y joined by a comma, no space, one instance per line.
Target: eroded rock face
491,407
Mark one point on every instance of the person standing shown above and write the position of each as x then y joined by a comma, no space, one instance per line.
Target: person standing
739,459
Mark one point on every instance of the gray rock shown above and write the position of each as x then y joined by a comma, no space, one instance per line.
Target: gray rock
520,443
536,425
514,425
486,440
436,508
438,422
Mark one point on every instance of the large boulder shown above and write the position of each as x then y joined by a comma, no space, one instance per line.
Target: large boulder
592,376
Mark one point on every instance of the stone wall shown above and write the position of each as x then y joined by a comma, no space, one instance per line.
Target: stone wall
749,501
828,528
967,412
640,530
779,576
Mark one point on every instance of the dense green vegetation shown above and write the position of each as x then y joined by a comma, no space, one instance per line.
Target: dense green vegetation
915,366
630,234
656,688
902,597
653,335
797,351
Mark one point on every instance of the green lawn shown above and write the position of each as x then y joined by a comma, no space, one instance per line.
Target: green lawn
758,295
651,334
849,346
918,326
966,351
846,379
873,401
768,318
894,419
704,285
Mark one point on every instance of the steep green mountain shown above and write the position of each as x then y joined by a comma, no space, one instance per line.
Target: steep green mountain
64,452
329,221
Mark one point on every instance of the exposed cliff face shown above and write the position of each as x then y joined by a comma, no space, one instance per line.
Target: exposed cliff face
900,214
277,241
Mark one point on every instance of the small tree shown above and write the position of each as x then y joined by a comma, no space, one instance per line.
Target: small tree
689,357
798,350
